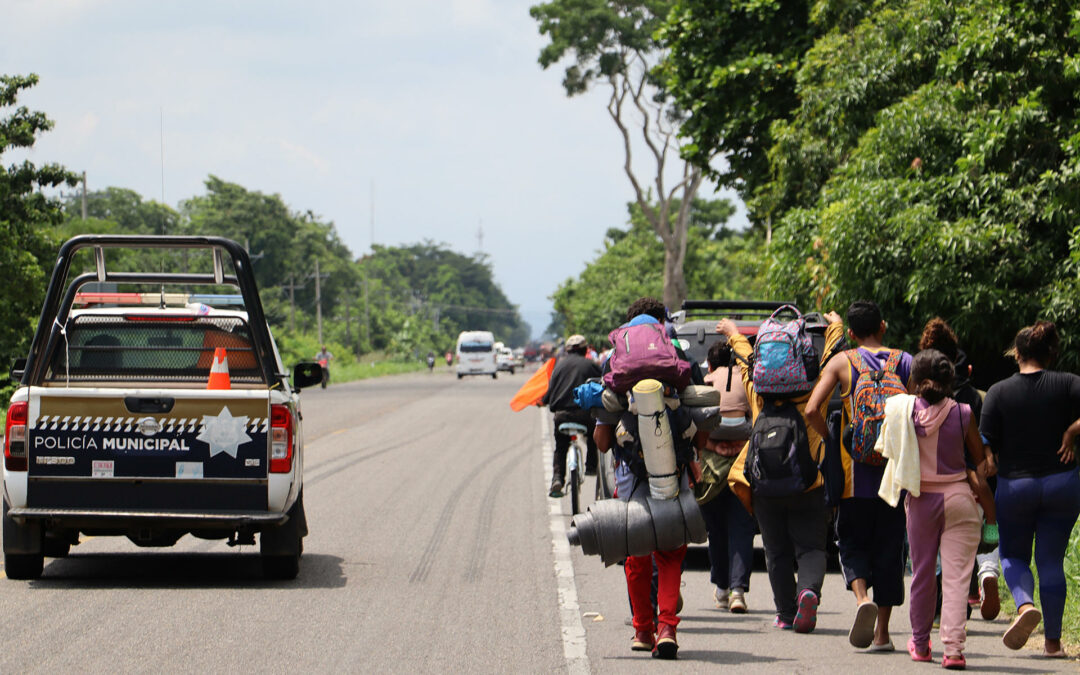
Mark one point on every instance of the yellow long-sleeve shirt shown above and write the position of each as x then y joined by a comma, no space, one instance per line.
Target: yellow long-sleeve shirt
741,346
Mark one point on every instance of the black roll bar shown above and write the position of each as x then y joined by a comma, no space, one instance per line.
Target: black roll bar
57,306
717,305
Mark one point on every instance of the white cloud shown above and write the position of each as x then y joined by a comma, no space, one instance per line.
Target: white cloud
305,155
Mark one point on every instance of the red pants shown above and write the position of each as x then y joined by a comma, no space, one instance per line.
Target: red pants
639,584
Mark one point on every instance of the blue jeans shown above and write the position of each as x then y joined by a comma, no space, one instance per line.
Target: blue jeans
731,541
1042,510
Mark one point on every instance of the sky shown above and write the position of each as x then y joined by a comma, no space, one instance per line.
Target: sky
433,115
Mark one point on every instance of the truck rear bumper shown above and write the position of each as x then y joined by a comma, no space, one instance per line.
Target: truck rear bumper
86,518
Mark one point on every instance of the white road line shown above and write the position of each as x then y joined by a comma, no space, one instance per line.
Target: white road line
573,632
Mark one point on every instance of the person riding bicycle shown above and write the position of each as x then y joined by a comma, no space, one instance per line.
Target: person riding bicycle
324,357
431,360
571,370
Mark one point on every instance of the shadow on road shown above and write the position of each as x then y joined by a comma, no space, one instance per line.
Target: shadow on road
184,570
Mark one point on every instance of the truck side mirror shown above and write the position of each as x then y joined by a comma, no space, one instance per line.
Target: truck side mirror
306,374
18,369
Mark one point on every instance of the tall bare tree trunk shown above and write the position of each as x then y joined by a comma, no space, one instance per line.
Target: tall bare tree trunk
674,280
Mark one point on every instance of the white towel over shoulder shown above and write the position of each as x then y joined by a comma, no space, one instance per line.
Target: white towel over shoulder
898,443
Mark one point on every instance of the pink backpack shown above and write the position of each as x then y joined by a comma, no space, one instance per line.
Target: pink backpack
644,352
785,362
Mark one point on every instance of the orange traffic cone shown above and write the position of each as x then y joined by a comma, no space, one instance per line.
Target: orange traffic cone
219,372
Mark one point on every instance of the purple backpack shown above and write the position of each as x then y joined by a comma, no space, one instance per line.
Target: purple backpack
644,352
785,361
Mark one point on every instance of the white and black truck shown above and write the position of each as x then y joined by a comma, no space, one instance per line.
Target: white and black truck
151,414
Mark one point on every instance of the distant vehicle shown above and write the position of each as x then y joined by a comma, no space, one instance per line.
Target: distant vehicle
476,354
504,359
519,358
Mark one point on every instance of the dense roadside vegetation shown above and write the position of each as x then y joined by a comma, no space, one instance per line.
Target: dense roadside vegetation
923,153
392,305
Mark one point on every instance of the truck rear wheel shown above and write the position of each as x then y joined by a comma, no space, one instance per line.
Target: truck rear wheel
23,565
281,547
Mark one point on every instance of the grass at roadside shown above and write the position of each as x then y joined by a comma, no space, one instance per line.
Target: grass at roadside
1070,624
373,365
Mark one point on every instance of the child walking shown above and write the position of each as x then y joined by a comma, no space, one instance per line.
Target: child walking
943,518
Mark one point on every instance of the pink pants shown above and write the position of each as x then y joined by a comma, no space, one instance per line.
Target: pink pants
948,523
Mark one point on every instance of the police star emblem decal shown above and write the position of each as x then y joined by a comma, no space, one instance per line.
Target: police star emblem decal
224,433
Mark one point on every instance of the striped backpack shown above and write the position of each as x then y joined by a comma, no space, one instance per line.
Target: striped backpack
869,393
785,361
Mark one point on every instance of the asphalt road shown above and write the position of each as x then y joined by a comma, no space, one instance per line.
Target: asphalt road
433,548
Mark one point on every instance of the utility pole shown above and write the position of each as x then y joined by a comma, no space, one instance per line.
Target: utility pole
348,334
292,304
367,321
84,195
435,320
318,300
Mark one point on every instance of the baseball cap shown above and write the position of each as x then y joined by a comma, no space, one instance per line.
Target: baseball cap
575,341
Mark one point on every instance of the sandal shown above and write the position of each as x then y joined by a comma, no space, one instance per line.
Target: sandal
913,650
1018,633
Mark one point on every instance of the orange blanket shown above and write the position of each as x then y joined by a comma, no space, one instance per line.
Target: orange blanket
532,392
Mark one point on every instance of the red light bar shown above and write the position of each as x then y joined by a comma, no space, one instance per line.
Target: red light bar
160,317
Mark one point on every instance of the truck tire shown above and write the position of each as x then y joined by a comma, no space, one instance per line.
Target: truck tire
23,565
23,544
281,547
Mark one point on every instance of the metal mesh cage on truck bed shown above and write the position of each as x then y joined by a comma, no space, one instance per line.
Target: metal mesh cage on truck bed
131,348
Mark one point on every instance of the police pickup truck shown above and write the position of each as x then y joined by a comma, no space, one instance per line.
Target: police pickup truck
152,415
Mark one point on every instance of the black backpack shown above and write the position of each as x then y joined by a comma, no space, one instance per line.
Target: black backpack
778,461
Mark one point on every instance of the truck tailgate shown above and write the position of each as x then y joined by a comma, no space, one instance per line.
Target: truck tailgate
107,448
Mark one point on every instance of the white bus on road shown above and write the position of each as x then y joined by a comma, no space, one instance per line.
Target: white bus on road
476,354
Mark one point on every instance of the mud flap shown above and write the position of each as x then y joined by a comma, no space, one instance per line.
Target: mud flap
22,539
284,540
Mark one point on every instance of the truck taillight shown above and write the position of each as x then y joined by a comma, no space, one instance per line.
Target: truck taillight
281,438
15,437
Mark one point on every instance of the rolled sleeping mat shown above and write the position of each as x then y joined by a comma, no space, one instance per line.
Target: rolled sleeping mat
705,419
614,403
614,529
657,443
731,429
696,533
700,396
605,417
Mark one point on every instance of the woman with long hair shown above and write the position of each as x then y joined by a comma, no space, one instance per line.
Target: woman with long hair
1031,421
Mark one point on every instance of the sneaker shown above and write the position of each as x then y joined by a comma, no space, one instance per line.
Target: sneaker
1020,630
737,601
954,662
720,595
916,655
862,629
666,646
806,615
781,624
556,488
644,641
991,600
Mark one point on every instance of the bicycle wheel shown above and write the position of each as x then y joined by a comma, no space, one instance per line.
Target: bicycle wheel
605,476
575,490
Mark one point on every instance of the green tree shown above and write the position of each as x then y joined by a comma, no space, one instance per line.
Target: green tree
732,65
631,262
933,164
611,43
27,218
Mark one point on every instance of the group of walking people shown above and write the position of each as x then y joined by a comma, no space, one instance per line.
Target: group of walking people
943,476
